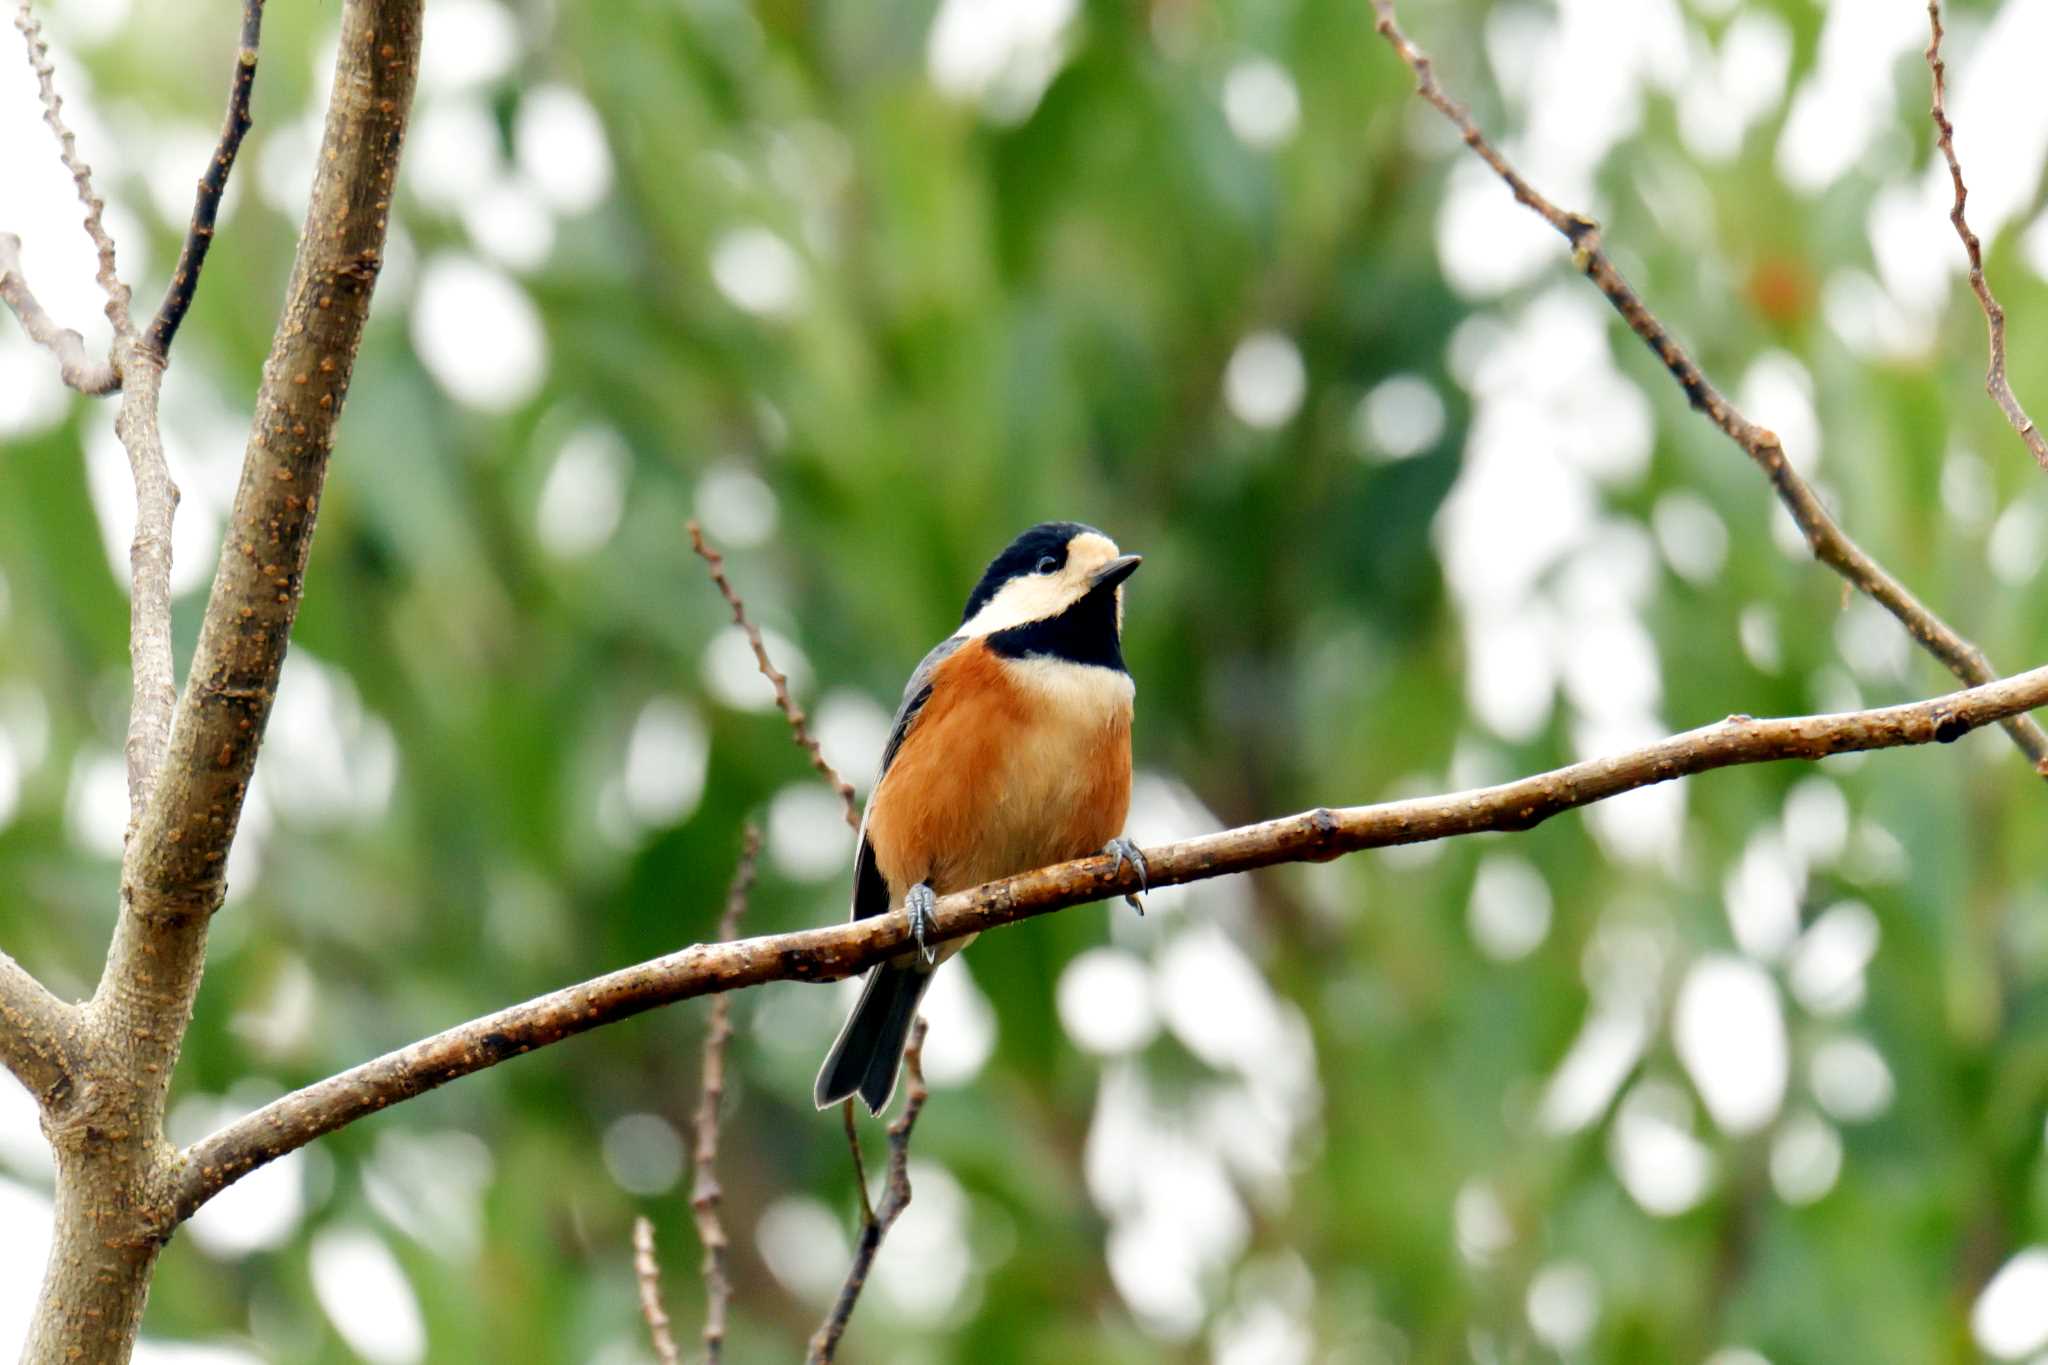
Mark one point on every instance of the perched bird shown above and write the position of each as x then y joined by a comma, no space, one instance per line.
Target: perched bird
1011,751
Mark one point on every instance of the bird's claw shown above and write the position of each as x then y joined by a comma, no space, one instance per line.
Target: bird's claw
922,907
1124,851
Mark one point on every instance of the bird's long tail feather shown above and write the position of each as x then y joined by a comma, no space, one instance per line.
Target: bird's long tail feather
866,1056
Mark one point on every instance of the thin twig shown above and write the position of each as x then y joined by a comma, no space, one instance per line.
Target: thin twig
153,684
212,185
647,1271
74,367
705,1193
798,723
81,173
876,1222
1995,382
840,950
860,1164
1830,544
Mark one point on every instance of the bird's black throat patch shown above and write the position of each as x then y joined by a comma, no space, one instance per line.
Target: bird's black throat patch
1085,633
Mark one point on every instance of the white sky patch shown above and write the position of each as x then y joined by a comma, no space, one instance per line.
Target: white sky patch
644,1153
1842,102
1742,83
1001,52
584,494
478,333
365,1294
1664,1168
804,1244
96,808
1806,1159
1691,535
733,678
560,143
454,152
1729,1029
26,1214
2010,1318
1563,1305
963,1027
1851,1080
1967,492
32,398
2001,122
1757,629
1105,1002
1872,643
929,1270
1265,381
852,730
758,272
510,223
1817,814
23,1148
736,506
1777,391
666,755
10,780
342,760
287,154
1481,1223
467,43
808,840
1262,1333
431,1186
2018,545
1762,894
1399,417
1826,968
1509,913
1869,322
1261,103
1609,1044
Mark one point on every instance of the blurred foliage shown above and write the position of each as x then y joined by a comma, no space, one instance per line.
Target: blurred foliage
1008,312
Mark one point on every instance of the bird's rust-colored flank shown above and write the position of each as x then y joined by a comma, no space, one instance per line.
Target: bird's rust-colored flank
1001,774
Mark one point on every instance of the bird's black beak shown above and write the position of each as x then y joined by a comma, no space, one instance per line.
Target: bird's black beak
1115,572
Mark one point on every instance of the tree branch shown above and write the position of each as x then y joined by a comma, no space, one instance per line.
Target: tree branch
81,173
647,1272
1830,544
74,367
212,185
876,1222
799,728
840,950
37,1034
1995,382
705,1193
152,682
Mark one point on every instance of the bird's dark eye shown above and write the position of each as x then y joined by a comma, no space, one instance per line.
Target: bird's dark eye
1048,564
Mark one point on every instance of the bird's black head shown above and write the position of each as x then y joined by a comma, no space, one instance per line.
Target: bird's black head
1053,591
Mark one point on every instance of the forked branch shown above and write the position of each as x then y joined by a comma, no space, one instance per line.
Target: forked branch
1830,544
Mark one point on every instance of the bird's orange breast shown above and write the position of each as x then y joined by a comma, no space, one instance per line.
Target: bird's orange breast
1011,765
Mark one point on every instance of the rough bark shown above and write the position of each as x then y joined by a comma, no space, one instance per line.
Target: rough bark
840,950
115,1171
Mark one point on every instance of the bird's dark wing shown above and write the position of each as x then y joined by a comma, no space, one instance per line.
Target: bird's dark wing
870,891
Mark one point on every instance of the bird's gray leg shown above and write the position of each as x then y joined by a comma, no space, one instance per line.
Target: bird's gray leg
1127,852
922,907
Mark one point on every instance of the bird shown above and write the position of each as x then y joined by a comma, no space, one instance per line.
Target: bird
1011,750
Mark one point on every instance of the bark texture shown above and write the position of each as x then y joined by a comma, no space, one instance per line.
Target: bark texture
116,1173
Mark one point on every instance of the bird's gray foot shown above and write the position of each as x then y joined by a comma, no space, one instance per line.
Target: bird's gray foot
922,907
1127,852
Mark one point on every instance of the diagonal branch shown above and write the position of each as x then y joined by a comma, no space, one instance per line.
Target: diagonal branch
37,1034
799,728
153,683
840,950
1830,544
1995,382
95,377
875,1222
212,185
705,1193
81,174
